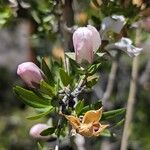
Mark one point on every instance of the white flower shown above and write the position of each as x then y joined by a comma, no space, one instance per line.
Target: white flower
125,44
114,23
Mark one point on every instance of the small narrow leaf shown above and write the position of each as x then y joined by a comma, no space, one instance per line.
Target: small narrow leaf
100,54
47,89
94,106
79,107
70,55
91,81
65,78
85,109
30,98
97,105
93,69
50,109
75,67
113,113
48,131
47,72
39,146
55,102
118,124
106,133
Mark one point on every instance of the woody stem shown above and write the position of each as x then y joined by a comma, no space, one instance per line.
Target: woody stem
131,98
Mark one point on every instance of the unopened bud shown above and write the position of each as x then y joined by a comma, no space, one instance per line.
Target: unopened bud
86,40
30,73
37,129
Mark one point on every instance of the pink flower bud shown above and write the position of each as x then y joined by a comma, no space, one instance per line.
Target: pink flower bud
36,130
86,40
30,74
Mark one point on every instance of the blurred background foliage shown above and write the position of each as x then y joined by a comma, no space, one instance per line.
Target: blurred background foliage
50,25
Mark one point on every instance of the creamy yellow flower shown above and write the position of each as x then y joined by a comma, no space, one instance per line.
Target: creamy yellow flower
90,125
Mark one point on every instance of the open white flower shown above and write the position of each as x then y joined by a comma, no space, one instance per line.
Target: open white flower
113,23
125,44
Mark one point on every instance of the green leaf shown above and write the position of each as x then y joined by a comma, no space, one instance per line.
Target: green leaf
75,67
55,102
65,78
73,62
35,16
39,146
30,98
47,89
47,72
85,109
93,69
118,124
97,105
48,131
50,109
100,54
79,107
70,55
94,106
91,81
106,133
113,113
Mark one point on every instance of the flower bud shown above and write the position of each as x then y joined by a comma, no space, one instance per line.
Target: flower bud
30,74
86,40
36,130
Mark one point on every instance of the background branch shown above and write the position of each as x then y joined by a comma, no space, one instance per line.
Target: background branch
131,98
111,79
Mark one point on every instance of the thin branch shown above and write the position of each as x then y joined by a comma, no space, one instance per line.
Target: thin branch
57,144
69,29
111,79
80,142
131,98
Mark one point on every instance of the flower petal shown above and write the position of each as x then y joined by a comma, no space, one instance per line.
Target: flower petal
75,122
86,130
113,23
125,44
83,45
96,126
92,116
101,129
95,37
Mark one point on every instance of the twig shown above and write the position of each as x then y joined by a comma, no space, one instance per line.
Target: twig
131,98
80,87
111,80
57,144
80,142
69,29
